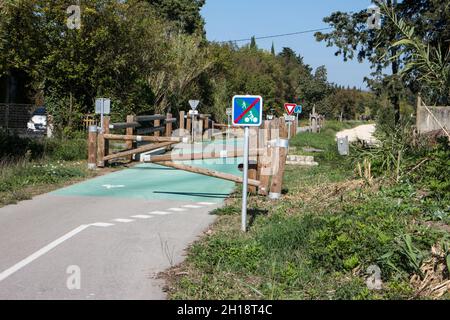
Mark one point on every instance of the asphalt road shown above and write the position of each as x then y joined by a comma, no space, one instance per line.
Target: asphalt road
106,238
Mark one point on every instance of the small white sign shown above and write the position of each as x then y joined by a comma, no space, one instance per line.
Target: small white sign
102,106
193,112
229,111
290,118
194,104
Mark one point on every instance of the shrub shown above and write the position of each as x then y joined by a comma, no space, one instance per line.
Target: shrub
66,150
12,146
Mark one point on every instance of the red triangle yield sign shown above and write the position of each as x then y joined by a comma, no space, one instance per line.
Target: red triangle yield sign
290,108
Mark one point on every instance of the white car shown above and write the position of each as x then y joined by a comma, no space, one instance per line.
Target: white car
38,121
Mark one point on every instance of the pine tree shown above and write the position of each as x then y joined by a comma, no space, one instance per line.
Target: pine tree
253,43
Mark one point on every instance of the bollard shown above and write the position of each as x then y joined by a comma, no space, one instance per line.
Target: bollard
129,132
169,125
282,145
343,146
157,123
92,148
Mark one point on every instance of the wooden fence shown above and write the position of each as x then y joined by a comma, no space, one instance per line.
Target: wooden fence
267,156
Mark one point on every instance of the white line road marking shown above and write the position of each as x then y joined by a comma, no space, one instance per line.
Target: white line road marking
123,220
191,206
5,274
102,224
159,213
176,209
206,203
141,216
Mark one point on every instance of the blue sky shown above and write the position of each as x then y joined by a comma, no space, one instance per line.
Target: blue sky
241,19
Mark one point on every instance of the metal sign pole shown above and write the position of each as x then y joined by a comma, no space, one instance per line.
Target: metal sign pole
101,122
192,127
289,129
228,128
245,185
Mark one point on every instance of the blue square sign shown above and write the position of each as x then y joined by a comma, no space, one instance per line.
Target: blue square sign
247,111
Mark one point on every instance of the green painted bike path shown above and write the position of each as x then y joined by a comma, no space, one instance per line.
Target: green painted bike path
154,182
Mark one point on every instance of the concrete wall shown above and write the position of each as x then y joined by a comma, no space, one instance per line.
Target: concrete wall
425,121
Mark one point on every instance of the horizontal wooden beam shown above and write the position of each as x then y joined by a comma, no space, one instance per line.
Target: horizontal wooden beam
141,138
150,130
202,156
209,173
152,117
142,149
124,125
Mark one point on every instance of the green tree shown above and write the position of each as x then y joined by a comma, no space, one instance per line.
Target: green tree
353,38
185,14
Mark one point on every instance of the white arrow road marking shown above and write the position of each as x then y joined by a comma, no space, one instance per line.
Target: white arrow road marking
110,186
206,203
191,206
176,209
5,274
123,220
102,224
159,213
142,216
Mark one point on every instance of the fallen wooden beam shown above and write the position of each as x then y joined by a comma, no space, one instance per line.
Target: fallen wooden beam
216,154
142,149
208,172
142,138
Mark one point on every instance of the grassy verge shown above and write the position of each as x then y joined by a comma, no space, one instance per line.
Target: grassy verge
29,167
320,240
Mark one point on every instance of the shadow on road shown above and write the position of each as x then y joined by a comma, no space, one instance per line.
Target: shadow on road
196,194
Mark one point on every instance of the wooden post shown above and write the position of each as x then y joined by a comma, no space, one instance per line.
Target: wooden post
129,132
189,124
206,127
264,160
92,148
100,150
157,123
182,122
253,171
102,144
169,125
277,179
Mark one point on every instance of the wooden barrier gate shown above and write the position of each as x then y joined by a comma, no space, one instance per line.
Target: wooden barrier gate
268,158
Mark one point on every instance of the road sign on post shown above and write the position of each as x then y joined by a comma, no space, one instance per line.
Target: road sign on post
298,109
247,111
102,107
290,108
194,104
